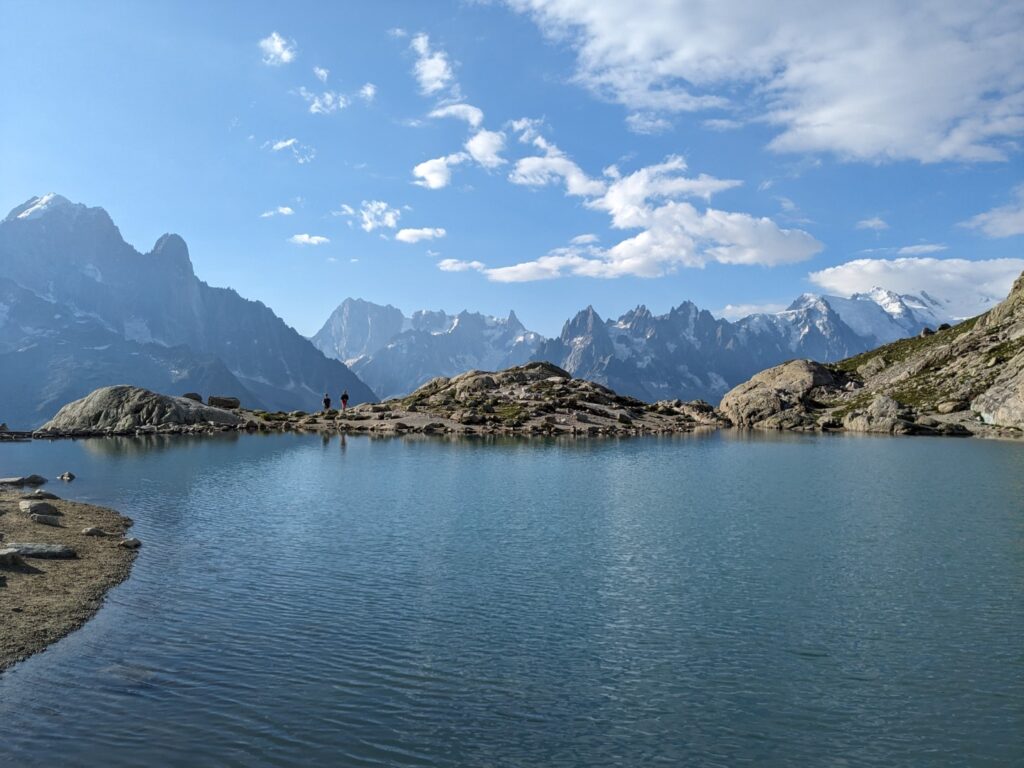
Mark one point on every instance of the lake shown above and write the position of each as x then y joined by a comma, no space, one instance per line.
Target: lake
720,599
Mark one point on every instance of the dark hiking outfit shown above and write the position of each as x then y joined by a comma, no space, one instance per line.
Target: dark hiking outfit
344,400
327,402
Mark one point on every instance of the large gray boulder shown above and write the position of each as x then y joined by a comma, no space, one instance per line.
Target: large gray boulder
1003,402
124,408
42,551
883,415
783,391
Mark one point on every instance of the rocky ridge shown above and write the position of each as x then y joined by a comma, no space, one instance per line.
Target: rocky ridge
966,379
533,399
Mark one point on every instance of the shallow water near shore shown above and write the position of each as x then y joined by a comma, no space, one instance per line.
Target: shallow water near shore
718,599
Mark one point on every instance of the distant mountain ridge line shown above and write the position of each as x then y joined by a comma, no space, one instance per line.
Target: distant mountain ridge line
684,353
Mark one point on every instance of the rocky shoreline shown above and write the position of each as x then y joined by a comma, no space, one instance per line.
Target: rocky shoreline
58,559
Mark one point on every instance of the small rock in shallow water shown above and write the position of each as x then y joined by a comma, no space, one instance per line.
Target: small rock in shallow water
27,480
67,477
129,543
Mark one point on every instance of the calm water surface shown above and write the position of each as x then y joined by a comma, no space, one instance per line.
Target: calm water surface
712,600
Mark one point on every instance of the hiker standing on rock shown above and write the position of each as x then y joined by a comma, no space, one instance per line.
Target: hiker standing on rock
327,402
344,400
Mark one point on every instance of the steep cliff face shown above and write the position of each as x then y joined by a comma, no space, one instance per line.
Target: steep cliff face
84,309
966,379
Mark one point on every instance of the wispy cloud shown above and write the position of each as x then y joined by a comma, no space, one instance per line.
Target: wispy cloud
277,50
368,92
1005,221
738,311
281,210
376,214
304,239
920,250
875,222
303,154
321,74
646,123
417,235
323,103
869,81
472,115
458,265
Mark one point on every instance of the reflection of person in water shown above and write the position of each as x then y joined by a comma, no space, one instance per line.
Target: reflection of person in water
343,445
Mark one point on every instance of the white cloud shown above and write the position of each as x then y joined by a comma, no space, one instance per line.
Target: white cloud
302,153
1004,221
873,80
305,239
722,124
739,311
368,92
323,103
646,123
673,232
281,210
376,214
586,239
321,74
416,235
485,147
437,173
920,250
456,265
344,210
875,222
553,166
277,50
966,287
472,115
432,69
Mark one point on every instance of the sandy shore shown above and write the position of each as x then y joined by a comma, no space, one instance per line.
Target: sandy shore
45,599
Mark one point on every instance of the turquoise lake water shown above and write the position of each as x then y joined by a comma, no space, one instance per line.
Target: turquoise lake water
720,600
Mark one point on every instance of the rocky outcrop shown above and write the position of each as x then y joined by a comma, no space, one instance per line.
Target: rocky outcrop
124,409
959,380
532,399
780,397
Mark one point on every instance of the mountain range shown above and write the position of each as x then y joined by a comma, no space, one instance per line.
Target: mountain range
81,308
395,354
686,353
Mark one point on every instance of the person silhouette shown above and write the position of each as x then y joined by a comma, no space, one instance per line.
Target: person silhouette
344,400
327,402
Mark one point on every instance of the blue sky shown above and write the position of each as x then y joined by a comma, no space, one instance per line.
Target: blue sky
621,153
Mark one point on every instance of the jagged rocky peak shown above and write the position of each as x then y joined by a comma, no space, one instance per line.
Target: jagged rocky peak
586,323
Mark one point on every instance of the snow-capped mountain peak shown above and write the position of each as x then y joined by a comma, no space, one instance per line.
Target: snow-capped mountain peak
37,206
